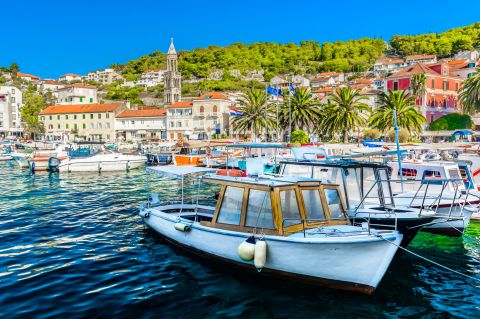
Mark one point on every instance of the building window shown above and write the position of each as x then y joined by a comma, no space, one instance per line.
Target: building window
91,116
99,115
179,124
83,116
84,125
456,86
75,117
66,117
99,125
395,86
81,99
13,99
433,83
107,125
107,115
58,117
50,117
172,124
202,109
445,85
215,109
91,100
58,126
66,126
50,127
92,125
75,126
133,122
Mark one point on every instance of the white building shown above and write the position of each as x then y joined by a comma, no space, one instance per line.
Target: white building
281,82
211,115
322,81
141,125
107,76
78,93
149,78
421,58
69,77
28,77
179,121
50,85
388,65
472,56
11,100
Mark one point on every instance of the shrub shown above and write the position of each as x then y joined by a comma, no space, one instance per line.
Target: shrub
452,122
299,136
403,135
372,134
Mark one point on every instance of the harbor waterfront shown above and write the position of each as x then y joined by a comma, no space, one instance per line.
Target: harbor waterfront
73,245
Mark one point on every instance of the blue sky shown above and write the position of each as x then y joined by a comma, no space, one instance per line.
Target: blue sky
53,37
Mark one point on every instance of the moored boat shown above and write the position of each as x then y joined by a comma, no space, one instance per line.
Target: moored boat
106,161
295,228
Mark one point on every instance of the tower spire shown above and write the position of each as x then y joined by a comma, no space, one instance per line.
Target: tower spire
171,49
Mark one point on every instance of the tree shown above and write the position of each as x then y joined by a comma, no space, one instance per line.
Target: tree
300,137
419,86
452,122
33,105
256,112
408,116
372,134
303,109
344,112
403,135
14,68
470,94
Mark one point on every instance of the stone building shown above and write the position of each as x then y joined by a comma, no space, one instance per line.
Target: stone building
141,125
10,104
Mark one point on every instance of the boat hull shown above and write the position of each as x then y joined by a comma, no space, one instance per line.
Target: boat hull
184,160
326,262
100,166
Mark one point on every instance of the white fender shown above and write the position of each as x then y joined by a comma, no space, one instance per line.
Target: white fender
182,227
246,249
260,254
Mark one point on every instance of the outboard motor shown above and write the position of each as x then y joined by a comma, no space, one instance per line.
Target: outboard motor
53,164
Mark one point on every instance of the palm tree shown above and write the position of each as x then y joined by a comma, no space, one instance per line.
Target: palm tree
344,112
408,116
470,95
303,111
418,85
257,112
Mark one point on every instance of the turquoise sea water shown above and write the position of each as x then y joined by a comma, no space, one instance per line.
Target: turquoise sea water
72,246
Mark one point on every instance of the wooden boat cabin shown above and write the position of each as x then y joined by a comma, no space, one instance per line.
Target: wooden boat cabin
281,205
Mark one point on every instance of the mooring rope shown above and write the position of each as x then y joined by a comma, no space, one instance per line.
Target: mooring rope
429,260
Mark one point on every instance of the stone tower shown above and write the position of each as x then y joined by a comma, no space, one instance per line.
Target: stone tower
173,83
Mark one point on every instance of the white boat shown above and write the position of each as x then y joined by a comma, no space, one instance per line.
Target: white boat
299,226
107,161
368,193
440,186
5,157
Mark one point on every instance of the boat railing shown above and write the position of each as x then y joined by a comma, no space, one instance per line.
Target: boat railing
365,226
100,164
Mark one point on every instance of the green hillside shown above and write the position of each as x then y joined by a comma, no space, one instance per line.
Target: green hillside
442,44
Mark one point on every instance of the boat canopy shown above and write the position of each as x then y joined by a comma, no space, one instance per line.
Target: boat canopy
257,145
179,171
462,132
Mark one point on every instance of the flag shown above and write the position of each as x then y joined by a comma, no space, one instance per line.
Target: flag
235,112
292,89
274,91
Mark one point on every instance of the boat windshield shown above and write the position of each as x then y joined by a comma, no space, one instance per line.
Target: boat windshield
259,210
289,204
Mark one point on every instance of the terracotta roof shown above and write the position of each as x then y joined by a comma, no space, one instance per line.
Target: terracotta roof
417,68
80,108
362,81
71,74
180,105
420,56
321,79
53,82
26,75
80,85
148,71
212,96
324,90
142,113
329,74
384,60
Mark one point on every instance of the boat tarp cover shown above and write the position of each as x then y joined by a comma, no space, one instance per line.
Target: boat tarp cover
179,171
463,132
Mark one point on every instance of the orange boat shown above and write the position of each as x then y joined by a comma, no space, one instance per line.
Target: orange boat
200,153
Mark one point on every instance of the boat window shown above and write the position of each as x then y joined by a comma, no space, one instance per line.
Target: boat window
313,204
259,210
431,174
231,208
333,202
297,170
324,174
369,182
290,209
408,173
352,186
455,173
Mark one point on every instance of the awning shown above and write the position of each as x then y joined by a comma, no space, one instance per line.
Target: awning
179,171
463,132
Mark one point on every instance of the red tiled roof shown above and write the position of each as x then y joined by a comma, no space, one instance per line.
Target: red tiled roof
142,113
52,82
26,75
384,60
328,74
180,105
148,71
81,85
71,74
362,81
324,90
80,108
321,79
417,68
212,96
420,56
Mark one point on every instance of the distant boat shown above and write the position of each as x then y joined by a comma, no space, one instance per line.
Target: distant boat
106,161
292,228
